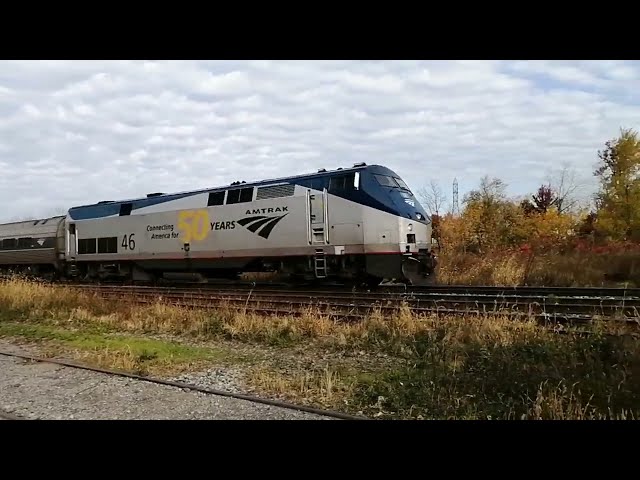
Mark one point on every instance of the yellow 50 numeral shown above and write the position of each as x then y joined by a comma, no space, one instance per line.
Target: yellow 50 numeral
194,225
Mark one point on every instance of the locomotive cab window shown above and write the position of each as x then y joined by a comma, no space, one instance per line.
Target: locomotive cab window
386,181
342,182
403,185
240,195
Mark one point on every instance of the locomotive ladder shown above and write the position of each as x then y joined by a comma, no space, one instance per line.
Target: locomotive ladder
320,265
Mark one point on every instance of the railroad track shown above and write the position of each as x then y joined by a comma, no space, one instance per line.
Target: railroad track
546,305
593,292
557,305
187,386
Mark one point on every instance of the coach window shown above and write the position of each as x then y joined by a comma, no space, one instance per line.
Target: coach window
25,242
9,244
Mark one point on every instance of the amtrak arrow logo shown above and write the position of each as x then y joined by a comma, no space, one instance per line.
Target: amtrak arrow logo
262,223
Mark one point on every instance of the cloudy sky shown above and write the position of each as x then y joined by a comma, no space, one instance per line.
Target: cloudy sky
76,132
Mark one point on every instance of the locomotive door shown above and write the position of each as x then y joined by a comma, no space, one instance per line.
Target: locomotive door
318,233
71,241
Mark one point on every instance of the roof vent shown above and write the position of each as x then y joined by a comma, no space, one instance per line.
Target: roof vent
322,170
104,201
361,164
157,194
339,168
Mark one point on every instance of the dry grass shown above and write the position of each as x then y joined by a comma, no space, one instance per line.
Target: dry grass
451,367
324,387
547,269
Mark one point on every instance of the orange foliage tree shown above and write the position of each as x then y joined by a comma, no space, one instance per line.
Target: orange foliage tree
491,221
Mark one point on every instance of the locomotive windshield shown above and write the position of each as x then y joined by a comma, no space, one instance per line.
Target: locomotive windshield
388,181
387,188
403,185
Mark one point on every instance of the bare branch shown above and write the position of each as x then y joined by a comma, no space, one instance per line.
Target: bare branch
432,197
565,189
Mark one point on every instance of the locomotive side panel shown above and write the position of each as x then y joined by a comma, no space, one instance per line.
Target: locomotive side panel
265,227
346,224
381,233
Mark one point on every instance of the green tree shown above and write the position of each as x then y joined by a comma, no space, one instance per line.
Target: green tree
618,200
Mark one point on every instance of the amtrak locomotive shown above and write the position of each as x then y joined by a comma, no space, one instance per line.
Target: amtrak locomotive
359,224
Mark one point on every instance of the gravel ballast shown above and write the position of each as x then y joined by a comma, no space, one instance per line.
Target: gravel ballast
35,390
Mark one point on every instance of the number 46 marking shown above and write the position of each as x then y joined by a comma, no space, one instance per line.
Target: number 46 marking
128,242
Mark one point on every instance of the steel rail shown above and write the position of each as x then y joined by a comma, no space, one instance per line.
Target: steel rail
369,296
545,320
209,391
594,292
10,416
578,303
566,304
625,292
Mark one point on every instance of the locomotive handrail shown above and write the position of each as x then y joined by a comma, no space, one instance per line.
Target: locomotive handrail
308,210
325,204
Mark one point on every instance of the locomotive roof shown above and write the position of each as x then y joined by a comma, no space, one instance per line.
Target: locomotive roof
177,195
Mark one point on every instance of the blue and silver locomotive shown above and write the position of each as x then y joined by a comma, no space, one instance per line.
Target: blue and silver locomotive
358,224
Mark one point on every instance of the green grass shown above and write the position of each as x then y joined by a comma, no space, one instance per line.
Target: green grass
553,378
129,352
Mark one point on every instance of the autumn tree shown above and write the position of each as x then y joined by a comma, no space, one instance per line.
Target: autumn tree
486,212
618,200
541,202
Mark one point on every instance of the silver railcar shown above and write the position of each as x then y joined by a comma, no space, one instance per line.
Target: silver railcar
33,246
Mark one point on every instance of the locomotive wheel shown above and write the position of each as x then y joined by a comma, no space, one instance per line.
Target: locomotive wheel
364,282
415,273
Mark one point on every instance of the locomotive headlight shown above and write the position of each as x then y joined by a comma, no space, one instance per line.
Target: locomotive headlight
410,227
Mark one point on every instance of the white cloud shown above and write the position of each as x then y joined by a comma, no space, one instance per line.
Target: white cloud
83,131
225,84
32,110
